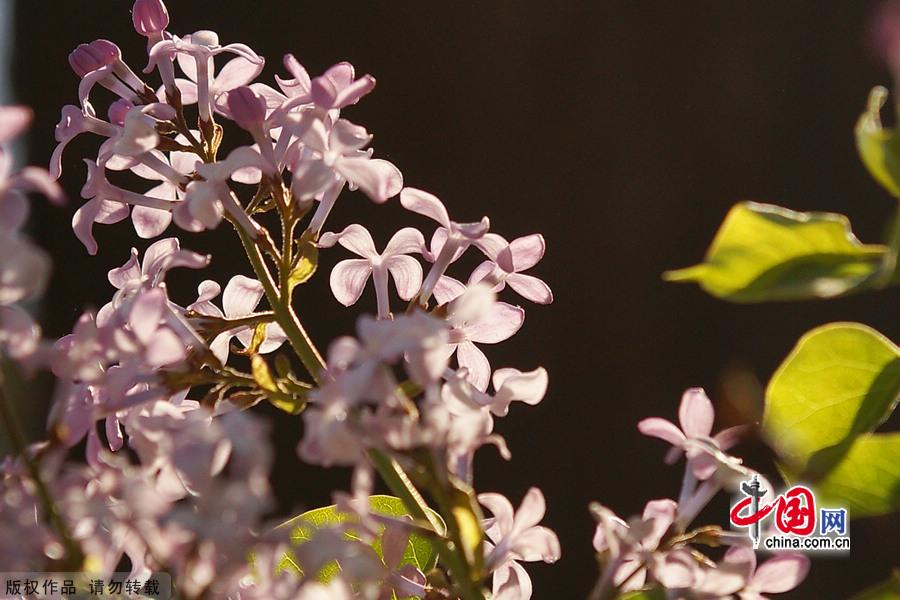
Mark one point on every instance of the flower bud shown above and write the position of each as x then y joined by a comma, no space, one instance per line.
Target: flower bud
118,110
205,37
247,109
150,17
90,57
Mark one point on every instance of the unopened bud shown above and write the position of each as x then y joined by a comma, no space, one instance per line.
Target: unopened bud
150,17
247,109
90,57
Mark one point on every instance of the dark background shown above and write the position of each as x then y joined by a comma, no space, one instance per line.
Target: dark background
623,131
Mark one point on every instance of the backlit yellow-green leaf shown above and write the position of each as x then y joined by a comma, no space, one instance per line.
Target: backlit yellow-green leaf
764,252
841,380
879,148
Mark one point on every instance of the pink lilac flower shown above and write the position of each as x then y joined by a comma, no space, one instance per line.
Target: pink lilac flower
526,252
206,201
517,537
627,544
195,54
242,296
74,121
328,159
107,203
492,323
15,186
696,416
509,384
452,238
100,62
151,222
737,574
338,87
349,277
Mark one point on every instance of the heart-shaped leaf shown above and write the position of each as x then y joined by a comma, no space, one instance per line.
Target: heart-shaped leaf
420,552
838,385
764,252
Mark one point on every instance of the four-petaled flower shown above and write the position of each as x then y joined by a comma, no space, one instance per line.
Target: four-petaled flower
241,297
516,536
696,416
349,277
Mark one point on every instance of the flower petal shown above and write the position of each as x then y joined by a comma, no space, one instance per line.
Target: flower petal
501,509
538,543
348,279
469,356
150,222
236,72
425,204
531,511
407,274
501,321
242,295
527,251
662,429
354,238
511,582
408,240
377,178
781,573
530,288
696,413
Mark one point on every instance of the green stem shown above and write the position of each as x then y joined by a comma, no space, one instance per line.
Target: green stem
284,312
74,556
392,473
889,263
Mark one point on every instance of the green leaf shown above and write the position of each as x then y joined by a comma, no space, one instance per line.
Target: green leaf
866,481
764,252
420,552
889,590
306,263
838,385
651,594
840,380
879,148
292,400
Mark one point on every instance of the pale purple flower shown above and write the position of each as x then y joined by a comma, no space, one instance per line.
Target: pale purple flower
627,544
475,318
15,186
517,537
74,121
100,62
107,203
150,17
329,158
151,222
159,258
510,385
206,201
349,277
696,416
338,87
737,574
23,270
195,54
242,296
526,252
452,239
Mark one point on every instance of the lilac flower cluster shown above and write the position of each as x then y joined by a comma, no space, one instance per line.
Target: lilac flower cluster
175,475
657,549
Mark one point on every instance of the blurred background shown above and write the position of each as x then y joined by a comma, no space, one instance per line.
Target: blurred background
621,130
